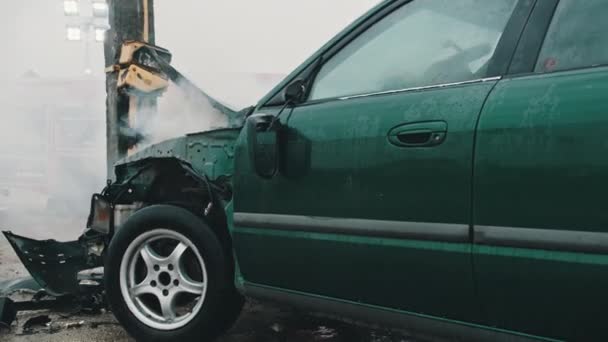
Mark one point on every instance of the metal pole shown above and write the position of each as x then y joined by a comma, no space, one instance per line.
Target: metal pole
87,48
146,22
129,20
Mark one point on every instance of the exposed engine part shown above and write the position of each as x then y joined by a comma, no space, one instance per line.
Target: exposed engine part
123,211
95,248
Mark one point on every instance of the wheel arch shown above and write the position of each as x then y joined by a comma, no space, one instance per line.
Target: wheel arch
172,181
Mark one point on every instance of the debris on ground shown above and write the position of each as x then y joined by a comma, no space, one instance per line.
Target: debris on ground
324,333
71,325
34,322
277,328
95,325
260,322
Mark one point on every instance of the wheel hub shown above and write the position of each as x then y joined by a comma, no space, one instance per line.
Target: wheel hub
163,279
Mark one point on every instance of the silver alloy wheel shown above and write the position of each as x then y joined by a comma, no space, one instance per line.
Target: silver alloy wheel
163,279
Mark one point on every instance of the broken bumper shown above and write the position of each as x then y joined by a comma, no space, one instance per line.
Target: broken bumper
53,265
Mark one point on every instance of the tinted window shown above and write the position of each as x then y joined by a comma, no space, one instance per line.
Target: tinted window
425,42
578,36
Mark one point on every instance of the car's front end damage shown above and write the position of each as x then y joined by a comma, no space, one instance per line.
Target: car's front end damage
193,172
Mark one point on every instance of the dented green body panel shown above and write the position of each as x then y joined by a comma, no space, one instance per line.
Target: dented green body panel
340,164
534,160
522,167
210,153
540,163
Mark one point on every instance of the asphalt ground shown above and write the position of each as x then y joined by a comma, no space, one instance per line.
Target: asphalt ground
259,322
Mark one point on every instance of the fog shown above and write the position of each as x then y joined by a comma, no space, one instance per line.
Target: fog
52,143
52,136
194,112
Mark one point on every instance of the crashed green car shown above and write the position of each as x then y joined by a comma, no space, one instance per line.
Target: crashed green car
439,166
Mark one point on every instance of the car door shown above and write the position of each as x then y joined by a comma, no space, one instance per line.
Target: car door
373,201
541,221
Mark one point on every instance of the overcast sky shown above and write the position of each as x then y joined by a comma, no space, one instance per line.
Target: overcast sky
204,35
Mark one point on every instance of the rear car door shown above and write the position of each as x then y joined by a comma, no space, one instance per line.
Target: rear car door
541,166
373,203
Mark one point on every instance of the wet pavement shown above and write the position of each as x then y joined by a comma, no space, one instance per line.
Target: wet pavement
258,323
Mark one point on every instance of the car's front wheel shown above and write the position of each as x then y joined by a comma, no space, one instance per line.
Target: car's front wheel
167,277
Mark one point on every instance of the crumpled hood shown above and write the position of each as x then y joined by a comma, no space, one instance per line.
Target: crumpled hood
171,148
210,152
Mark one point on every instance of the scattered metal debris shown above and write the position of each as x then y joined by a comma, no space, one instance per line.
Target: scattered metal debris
36,321
64,277
26,285
277,328
95,325
325,333
71,325
53,327
54,265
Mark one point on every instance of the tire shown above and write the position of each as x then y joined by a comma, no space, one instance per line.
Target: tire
167,277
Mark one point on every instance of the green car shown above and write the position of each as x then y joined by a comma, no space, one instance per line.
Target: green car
436,167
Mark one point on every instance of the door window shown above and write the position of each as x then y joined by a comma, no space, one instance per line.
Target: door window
425,42
577,36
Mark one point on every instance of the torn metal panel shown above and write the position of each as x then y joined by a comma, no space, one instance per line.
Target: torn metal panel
172,148
192,171
54,265
27,284
210,153
7,312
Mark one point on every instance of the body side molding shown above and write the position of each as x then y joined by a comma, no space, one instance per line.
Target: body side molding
348,226
548,239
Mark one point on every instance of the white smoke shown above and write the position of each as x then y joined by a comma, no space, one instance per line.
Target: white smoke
180,111
52,154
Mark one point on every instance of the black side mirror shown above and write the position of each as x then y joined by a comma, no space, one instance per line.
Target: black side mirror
295,92
263,136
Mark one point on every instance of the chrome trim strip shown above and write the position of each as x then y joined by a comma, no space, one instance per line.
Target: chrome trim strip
547,239
480,80
348,226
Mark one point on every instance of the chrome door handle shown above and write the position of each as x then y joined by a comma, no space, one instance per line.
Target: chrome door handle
420,134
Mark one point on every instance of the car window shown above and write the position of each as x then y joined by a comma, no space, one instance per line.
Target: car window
577,36
425,42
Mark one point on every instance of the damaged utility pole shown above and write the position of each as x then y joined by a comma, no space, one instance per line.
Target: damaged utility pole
129,20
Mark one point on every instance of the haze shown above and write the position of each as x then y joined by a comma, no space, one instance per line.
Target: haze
53,114
270,36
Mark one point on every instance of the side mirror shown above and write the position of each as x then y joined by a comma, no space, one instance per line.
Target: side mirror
263,137
295,92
